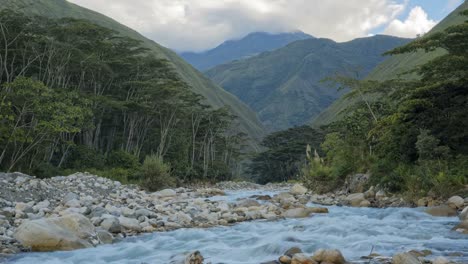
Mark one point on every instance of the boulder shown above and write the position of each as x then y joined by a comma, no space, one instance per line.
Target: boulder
456,202
462,227
355,199
104,237
194,258
302,259
298,189
292,251
331,256
130,224
380,195
60,233
111,224
405,258
297,213
285,260
318,210
364,203
442,210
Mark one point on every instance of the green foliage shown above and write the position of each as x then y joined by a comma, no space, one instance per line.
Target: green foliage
91,99
284,86
285,154
318,177
156,174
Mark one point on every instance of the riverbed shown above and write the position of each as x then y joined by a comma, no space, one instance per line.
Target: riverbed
354,231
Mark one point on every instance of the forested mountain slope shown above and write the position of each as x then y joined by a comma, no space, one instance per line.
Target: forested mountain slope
284,86
214,95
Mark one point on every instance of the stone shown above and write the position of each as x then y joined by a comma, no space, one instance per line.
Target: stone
59,233
443,210
285,260
194,258
318,210
70,196
298,189
248,203
73,203
302,259
423,202
380,195
332,256
143,212
356,183
130,224
104,237
405,258
294,250
355,199
111,224
456,202
364,203
462,227
297,213
166,193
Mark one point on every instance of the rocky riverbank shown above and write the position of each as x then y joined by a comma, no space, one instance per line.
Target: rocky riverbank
83,210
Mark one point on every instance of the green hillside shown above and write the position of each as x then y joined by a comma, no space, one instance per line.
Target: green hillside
215,96
394,66
284,86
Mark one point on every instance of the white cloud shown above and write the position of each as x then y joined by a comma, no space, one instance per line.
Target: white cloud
203,24
417,22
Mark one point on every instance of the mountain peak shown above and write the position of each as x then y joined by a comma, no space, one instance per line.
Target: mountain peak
247,46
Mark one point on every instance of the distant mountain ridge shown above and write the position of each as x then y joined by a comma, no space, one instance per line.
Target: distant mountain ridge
250,45
214,95
285,86
394,67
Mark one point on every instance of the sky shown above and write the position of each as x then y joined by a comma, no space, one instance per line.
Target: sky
198,25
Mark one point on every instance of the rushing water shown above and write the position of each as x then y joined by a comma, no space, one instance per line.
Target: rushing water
355,231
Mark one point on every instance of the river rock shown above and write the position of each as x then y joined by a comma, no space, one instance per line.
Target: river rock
294,250
456,202
442,210
298,189
462,227
318,210
355,199
104,237
130,224
165,193
405,258
111,224
285,260
248,203
332,256
297,213
380,195
194,258
60,233
302,259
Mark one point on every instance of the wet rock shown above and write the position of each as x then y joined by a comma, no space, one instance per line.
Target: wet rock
104,237
294,250
464,214
331,256
442,210
60,233
298,189
285,260
297,213
302,259
318,210
456,202
248,203
440,260
405,258
355,199
194,258
462,227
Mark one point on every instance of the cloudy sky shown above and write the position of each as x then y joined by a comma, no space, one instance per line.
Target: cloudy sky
196,25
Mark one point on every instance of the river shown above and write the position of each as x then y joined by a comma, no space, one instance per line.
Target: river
354,231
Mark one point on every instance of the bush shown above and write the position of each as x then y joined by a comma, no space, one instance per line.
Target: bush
122,159
318,177
156,174
84,157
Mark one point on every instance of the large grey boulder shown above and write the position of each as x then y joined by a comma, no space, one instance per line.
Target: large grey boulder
355,199
59,233
456,202
298,189
332,256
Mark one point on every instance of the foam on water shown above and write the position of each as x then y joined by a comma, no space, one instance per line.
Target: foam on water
355,231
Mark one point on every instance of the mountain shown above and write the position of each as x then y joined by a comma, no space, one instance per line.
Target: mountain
284,86
213,94
394,67
248,46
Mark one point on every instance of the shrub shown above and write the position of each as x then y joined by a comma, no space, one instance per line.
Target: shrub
122,159
84,157
318,177
156,174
